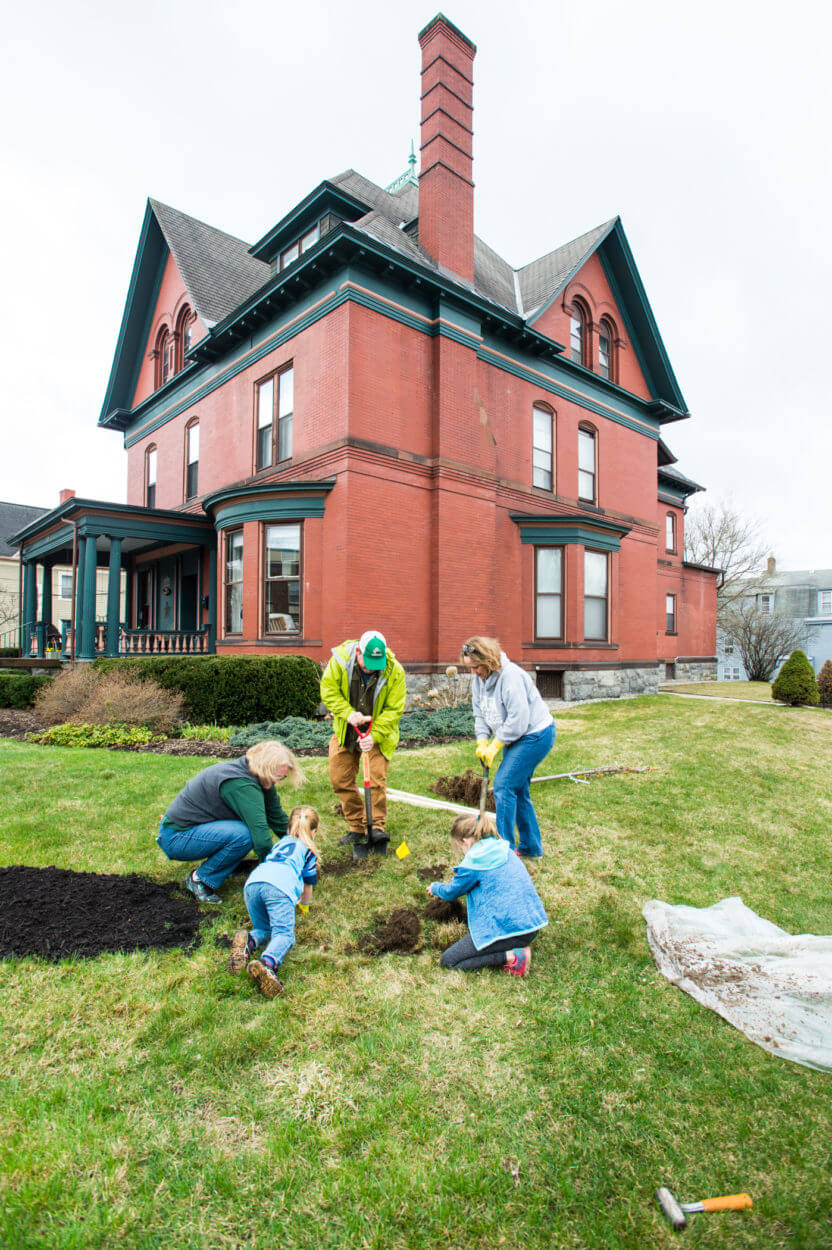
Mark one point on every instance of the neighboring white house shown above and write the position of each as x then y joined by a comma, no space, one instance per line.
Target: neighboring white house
805,595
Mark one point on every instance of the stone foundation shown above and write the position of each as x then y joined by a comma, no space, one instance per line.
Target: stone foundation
695,670
581,685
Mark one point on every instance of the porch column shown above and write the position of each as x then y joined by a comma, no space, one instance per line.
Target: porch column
78,606
46,602
86,648
113,596
29,604
212,599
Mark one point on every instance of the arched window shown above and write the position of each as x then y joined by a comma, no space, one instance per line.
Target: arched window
577,334
587,464
164,356
543,447
670,532
606,350
150,477
184,325
192,460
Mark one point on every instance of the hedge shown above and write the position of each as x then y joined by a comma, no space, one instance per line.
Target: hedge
18,690
9,653
233,690
448,722
795,683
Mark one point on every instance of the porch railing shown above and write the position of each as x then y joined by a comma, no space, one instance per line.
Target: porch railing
163,641
38,643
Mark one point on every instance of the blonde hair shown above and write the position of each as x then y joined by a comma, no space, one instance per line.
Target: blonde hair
469,825
303,825
265,759
484,651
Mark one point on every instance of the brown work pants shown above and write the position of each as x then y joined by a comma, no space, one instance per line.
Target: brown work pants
344,764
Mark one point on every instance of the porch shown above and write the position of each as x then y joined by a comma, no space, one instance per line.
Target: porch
165,604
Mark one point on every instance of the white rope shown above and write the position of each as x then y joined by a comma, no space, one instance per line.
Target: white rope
419,800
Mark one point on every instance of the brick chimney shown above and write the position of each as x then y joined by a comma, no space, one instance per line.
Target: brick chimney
446,189
772,566
66,494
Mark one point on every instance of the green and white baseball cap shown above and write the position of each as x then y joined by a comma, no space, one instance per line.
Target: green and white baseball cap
373,650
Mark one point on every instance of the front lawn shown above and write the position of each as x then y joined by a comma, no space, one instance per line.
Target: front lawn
152,1099
724,689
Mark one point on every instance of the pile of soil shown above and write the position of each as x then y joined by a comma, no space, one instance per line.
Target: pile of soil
433,872
54,913
463,789
445,912
340,867
400,932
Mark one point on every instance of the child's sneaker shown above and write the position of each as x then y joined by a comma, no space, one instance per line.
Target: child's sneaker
242,949
522,962
267,982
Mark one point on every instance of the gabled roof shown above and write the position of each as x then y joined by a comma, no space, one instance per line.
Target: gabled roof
13,517
545,277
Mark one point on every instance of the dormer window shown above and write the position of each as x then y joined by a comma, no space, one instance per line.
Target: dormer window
164,356
300,246
576,336
606,350
183,336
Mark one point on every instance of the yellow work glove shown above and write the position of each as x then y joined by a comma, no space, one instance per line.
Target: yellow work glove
304,907
482,745
491,752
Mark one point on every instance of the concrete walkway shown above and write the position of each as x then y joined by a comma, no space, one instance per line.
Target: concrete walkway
722,698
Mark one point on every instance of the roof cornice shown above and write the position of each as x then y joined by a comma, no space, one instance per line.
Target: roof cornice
325,196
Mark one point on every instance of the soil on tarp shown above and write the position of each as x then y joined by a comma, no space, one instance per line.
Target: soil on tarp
55,913
444,912
464,788
401,933
433,872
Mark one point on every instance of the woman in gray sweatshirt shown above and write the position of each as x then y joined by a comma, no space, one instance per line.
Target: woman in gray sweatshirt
509,710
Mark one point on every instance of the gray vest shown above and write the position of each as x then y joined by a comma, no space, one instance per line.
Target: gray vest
199,802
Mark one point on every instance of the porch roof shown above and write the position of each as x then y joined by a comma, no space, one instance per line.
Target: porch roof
140,529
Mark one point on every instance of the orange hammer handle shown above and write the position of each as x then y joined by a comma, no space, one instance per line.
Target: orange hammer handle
732,1202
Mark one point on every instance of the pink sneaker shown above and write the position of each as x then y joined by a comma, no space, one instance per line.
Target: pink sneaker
522,962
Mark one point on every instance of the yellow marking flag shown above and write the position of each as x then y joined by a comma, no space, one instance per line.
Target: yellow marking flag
402,850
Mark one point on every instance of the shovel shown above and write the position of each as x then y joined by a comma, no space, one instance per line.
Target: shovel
362,849
483,791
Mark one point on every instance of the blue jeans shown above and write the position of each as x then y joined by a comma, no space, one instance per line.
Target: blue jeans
221,843
511,789
272,919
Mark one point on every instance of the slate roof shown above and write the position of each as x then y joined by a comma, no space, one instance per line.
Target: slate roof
674,475
13,517
547,275
218,272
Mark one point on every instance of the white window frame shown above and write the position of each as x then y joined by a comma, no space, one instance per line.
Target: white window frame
543,419
824,603
605,598
61,578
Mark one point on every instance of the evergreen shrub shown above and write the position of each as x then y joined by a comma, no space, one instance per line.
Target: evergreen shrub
825,684
795,684
18,690
448,722
9,653
233,690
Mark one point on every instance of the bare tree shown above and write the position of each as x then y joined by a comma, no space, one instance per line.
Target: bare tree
762,638
718,535
8,609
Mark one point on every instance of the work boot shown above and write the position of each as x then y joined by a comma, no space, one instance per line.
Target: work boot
242,949
265,979
350,839
201,892
378,841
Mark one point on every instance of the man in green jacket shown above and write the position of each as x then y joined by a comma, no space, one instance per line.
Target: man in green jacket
363,686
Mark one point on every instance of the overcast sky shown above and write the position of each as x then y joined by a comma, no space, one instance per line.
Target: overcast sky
706,127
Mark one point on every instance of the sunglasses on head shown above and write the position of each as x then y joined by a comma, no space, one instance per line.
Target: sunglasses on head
467,649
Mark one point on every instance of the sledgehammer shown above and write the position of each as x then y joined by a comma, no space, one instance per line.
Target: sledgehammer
677,1212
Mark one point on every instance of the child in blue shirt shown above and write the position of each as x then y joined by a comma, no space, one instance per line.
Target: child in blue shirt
505,913
282,881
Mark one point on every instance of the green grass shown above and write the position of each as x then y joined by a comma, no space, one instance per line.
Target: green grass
725,689
152,1100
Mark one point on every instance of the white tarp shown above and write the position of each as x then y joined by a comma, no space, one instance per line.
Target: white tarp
775,988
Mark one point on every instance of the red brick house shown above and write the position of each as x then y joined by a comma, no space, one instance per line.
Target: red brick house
369,417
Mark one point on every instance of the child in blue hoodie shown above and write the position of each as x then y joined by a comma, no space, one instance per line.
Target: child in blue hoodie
505,913
283,880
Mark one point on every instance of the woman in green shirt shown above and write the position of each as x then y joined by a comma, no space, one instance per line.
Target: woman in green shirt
225,811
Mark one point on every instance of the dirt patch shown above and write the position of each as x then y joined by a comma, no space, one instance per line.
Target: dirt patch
185,746
400,932
464,788
16,722
444,912
340,867
433,872
54,913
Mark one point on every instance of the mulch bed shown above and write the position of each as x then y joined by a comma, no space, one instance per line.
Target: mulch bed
55,913
15,723
400,932
463,789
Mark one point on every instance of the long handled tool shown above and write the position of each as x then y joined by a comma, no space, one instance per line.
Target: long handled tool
378,845
677,1212
483,791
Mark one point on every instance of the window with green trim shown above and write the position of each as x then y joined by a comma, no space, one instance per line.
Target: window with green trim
274,403
548,593
282,579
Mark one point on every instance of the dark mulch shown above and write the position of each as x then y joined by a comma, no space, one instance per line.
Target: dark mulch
185,746
463,789
55,913
433,872
15,723
400,932
445,912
